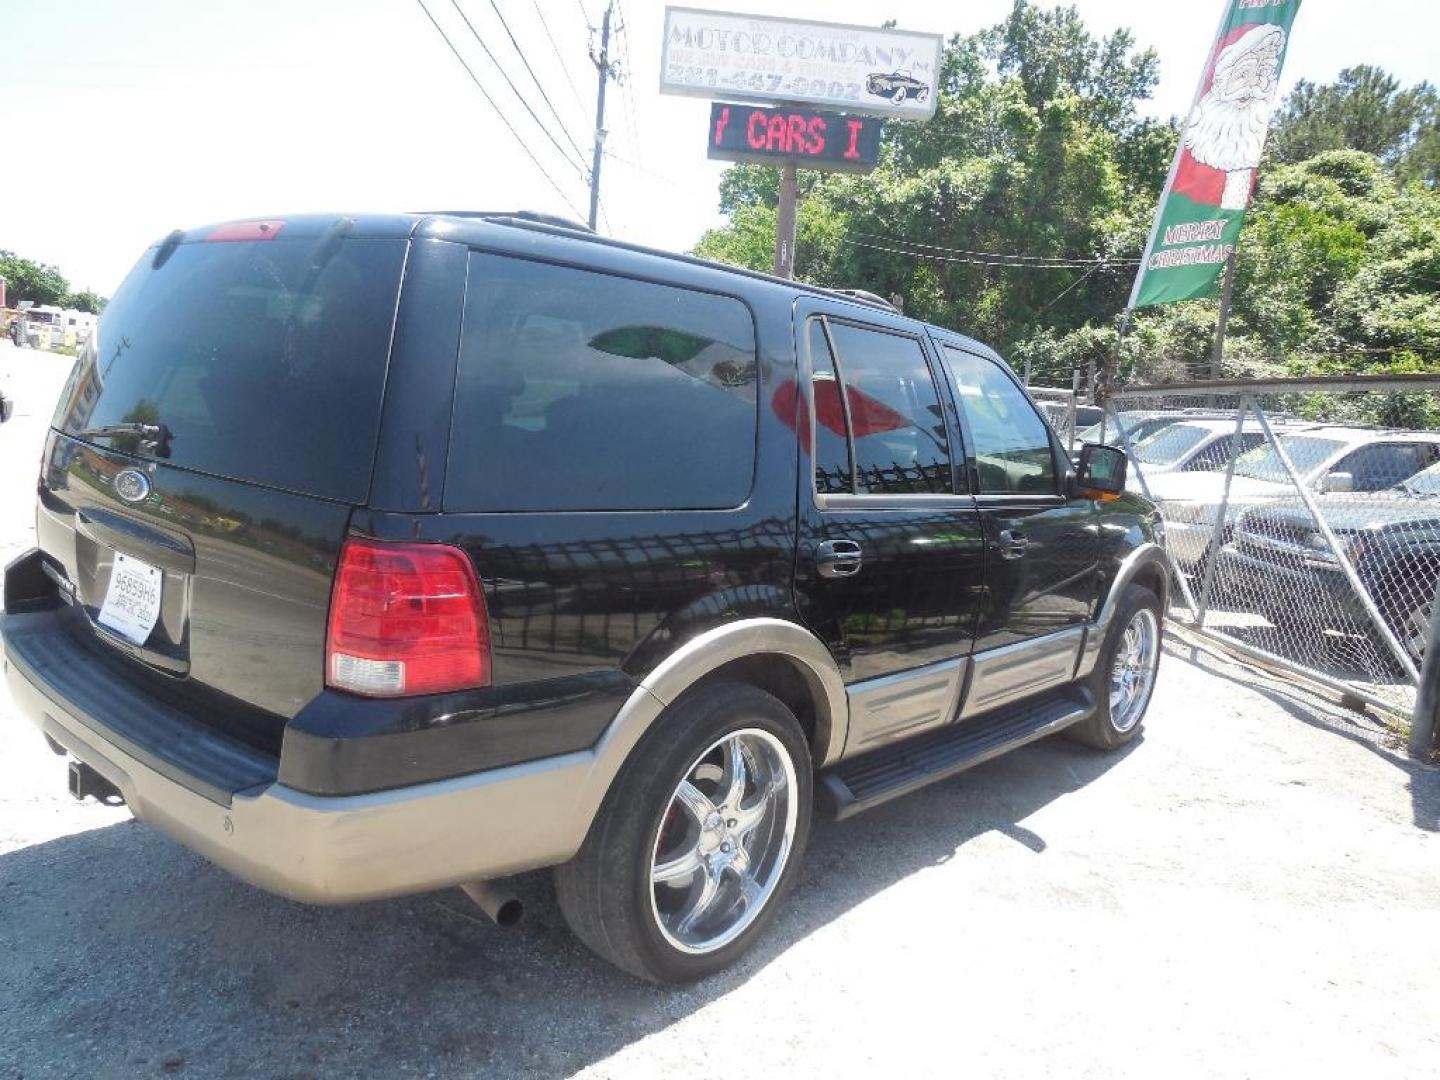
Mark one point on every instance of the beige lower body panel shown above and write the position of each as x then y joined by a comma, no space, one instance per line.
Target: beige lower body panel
1002,676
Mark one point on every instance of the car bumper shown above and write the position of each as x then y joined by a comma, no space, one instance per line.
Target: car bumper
217,797
1279,589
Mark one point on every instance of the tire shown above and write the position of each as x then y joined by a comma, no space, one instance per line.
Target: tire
611,893
899,95
1104,730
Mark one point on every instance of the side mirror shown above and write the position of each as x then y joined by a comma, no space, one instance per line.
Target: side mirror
6,408
1101,472
1338,483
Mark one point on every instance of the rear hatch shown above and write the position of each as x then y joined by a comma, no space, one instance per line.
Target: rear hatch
206,455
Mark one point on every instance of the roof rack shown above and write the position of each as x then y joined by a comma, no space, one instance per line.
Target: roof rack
530,216
865,296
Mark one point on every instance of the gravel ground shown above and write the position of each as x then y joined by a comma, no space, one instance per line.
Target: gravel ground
1251,890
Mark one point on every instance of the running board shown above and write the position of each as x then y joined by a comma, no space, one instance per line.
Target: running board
892,771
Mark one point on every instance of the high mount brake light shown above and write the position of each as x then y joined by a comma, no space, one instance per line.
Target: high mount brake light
406,619
245,230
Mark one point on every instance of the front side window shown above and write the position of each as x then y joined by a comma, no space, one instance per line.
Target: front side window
1375,468
586,391
1013,454
896,425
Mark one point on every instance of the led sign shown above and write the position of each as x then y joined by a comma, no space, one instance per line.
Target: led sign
806,137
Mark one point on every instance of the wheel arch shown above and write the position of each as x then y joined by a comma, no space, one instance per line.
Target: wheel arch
778,656
1144,565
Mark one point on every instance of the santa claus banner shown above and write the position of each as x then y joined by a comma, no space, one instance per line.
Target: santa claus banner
1203,206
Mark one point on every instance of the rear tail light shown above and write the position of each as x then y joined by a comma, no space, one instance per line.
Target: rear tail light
406,619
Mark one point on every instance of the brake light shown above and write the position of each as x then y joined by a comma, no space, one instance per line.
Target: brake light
406,619
245,231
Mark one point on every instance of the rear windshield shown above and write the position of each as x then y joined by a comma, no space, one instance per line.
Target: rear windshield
262,361
586,391
1307,454
1169,445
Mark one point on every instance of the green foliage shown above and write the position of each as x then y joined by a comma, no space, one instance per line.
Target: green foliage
27,280
1036,151
1367,110
41,283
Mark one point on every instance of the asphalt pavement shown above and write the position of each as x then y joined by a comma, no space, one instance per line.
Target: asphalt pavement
1250,890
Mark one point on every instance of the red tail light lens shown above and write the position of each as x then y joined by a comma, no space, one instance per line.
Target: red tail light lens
406,619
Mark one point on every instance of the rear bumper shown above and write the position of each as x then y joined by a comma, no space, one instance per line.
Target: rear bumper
217,798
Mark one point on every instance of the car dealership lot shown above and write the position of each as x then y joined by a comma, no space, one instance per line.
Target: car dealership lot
1252,889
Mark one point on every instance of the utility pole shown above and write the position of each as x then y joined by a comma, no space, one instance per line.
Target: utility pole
785,224
602,64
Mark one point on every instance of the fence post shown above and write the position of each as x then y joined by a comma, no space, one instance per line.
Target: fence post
1362,594
1425,723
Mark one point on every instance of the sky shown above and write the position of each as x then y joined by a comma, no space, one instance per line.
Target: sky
128,119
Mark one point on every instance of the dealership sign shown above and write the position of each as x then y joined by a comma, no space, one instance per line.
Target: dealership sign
804,137
856,69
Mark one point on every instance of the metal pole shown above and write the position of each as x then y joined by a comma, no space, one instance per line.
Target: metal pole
785,224
602,63
1387,635
1425,723
1129,449
1219,534
1227,293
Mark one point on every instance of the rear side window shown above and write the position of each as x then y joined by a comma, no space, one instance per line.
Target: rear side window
1013,454
261,361
586,391
897,429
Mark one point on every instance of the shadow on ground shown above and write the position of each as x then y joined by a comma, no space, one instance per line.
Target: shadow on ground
1423,781
122,954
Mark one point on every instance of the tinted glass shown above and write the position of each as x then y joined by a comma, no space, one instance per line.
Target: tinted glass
261,361
1307,453
1385,464
832,448
1013,454
584,391
895,418
1169,445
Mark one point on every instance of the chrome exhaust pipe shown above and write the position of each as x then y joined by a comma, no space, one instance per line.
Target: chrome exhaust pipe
496,900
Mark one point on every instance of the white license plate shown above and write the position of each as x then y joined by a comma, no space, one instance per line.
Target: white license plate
132,603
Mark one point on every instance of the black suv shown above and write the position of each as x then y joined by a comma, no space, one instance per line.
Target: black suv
381,554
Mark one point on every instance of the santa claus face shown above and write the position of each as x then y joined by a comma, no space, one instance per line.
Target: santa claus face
1227,129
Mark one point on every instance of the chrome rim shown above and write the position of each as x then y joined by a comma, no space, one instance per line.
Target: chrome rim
724,841
1132,676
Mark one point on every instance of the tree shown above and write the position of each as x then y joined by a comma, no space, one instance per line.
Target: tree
27,280
85,300
1366,109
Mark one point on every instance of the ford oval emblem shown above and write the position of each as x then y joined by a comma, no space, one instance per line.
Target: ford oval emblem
132,485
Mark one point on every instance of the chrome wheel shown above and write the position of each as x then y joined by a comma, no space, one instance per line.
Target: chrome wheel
724,841
1132,676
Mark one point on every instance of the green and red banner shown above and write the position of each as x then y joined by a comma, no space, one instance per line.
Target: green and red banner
1202,208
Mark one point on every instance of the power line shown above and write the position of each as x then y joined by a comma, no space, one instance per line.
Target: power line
999,256
629,71
510,127
538,85
1076,265
513,89
564,68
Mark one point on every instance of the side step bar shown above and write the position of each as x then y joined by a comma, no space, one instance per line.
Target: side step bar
892,771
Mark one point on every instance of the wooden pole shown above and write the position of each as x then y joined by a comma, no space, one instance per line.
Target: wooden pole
785,224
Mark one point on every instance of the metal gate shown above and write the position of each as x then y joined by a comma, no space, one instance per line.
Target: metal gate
1303,522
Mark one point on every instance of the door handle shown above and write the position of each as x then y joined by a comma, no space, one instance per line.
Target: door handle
838,558
1013,543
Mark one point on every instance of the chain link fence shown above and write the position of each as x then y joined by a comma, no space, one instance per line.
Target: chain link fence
1302,520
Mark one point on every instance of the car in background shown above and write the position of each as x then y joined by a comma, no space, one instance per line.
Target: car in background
1190,446
1391,537
1142,423
1327,459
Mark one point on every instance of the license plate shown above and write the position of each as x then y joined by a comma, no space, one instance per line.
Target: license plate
132,603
